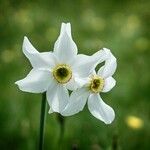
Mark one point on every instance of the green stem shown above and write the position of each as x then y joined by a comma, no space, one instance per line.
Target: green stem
115,142
61,121
42,121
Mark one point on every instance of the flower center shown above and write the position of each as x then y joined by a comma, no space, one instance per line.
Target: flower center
96,84
62,73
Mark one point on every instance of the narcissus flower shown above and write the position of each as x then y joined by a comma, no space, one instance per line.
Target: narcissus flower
56,72
96,83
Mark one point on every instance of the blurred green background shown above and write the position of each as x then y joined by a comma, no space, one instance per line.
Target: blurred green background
122,26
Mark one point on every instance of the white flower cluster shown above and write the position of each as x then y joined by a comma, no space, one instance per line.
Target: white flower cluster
63,69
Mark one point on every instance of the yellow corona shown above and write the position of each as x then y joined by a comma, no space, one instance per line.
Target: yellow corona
96,84
62,73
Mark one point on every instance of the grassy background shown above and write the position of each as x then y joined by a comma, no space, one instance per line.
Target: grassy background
122,26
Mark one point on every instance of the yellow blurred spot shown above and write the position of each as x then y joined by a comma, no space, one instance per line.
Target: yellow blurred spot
95,22
7,56
23,19
131,26
142,44
134,122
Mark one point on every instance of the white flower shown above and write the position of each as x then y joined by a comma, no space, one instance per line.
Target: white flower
55,72
96,83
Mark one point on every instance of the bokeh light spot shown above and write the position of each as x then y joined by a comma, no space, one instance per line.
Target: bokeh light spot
134,122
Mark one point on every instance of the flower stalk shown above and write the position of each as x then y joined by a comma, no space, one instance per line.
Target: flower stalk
61,121
42,121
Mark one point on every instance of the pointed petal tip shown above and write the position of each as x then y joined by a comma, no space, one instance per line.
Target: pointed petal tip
109,121
50,111
65,23
25,39
16,82
63,26
110,54
66,28
19,86
107,51
104,48
69,24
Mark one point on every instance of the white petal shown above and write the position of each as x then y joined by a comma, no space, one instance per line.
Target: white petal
65,48
66,27
71,85
38,60
101,55
77,102
84,65
28,48
76,82
109,83
57,96
99,109
109,68
37,81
